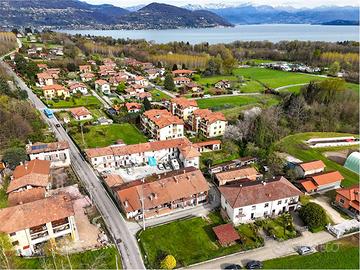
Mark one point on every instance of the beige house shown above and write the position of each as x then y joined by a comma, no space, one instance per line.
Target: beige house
208,123
183,107
55,90
237,174
45,78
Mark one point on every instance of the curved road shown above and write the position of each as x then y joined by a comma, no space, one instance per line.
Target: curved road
124,240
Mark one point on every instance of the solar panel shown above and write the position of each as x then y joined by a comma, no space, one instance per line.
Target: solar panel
39,147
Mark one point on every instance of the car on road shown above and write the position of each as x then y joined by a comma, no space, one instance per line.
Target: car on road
58,125
233,267
254,265
304,250
160,166
207,96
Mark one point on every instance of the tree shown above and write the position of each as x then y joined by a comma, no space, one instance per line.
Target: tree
169,82
7,252
286,221
313,215
168,263
174,67
121,87
71,67
13,156
334,68
147,104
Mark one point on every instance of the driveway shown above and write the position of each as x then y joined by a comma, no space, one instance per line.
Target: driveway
326,204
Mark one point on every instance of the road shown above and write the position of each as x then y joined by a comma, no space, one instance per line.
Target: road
290,85
272,249
124,240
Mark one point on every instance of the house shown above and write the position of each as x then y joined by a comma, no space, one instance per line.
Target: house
238,174
162,194
208,146
31,224
193,87
32,174
138,88
223,84
208,123
307,168
182,73
26,196
152,74
118,78
183,107
235,163
133,107
180,81
85,68
87,77
106,70
55,90
124,156
140,80
162,125
244,202
103,121
81,113
78,87
103,86
143,95
109,63
54,72
56,152
42,66
226,234
321,182
348,198
45,78
130,91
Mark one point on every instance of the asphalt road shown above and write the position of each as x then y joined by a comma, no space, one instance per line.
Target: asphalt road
124,240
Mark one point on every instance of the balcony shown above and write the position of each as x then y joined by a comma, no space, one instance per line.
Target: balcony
38,229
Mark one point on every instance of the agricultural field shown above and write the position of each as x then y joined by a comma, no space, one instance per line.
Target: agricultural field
294,146
86,101
101,136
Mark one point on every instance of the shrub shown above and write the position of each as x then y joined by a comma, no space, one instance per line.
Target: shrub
313,215
168,262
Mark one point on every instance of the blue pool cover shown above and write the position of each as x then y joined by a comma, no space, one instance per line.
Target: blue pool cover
152,161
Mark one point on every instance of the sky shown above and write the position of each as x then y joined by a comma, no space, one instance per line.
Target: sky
293,3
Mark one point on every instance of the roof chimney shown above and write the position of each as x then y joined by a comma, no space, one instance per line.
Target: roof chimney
126,203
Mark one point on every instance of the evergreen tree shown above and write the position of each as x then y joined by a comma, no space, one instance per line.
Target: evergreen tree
169,82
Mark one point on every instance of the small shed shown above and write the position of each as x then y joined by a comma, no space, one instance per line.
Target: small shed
226,234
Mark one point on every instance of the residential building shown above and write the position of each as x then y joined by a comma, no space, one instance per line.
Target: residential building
348,198
321,182
162,194
85,68
152,73
133,107
143,95
54,72
81,113
87,77
182,73
103,86
193,87
55,90
26,196
223,84
123,156
31,224
238,174
180,81
208,123
32,174
140,80
208,146
162,125
45,78
183,107
78,87
244,202
56,152
307,168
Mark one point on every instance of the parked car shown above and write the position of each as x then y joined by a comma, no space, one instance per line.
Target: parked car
160,166
167,166
233,267
175,164
254,265
304,250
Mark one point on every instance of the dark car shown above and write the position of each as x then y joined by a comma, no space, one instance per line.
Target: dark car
254,265
233,267
58,125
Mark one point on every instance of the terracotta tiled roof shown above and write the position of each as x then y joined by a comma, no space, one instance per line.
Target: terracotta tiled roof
28,195
327,178
184,102
44,75
180,184
55,87
101,82
162,118
143,95
113,180
75,85
207,143
80,111
308,185
209,116
87,75
312,165
239,195
181,79
237,174
85,67
226,234
40,147
189,151
182,71
132,105
23,216
350,193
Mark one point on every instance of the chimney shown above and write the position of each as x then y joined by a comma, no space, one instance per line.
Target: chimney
176,180
126,203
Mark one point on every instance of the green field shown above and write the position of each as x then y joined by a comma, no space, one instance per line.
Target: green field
232,101
294,145
104,258
159,95
87,101
337,255
100,136
189,241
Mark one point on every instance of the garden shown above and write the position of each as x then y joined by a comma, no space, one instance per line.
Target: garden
86,101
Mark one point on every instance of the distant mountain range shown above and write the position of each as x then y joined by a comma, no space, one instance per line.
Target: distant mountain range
75,14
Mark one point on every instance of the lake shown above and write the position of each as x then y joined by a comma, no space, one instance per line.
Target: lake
270,32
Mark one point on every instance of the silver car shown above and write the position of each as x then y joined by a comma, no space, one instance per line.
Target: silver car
304,250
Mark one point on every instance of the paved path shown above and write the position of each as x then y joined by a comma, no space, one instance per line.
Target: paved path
271,250
229,95
124,240
325,203
105,103
161,89
290,85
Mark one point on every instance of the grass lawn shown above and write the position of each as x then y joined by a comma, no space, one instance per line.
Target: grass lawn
217,157
87,101
189,241
3,198
100,136
294,145
250,239
158,95
340,254
293,89
273,226
104,258
96,113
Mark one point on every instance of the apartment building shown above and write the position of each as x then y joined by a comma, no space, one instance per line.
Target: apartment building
123,156
31,224
56,152
183,107
162,125
244,202
209,124
103,86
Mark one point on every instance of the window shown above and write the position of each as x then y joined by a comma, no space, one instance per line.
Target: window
12,234
15,243
240,210
253,207
342,201
279,202
266,205
286,201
